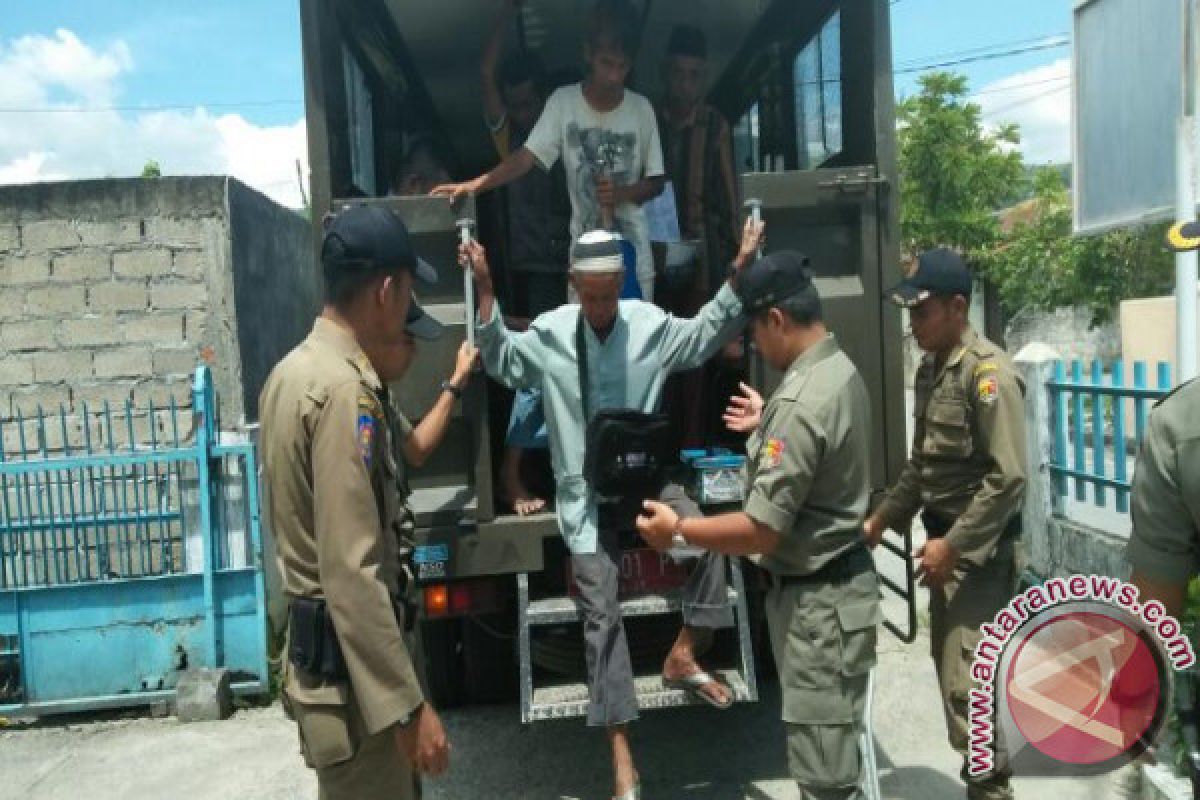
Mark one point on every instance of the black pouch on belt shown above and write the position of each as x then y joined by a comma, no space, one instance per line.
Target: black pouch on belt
314,645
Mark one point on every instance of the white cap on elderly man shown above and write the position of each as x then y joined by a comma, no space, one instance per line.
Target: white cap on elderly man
597,251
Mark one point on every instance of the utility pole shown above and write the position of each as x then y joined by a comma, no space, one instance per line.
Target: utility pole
1185,200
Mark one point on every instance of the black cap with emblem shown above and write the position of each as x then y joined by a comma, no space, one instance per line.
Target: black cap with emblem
940,271
370,238
773,279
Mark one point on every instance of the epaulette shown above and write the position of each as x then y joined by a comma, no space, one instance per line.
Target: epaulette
1173,392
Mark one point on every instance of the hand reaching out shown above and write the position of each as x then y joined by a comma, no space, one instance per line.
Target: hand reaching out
744,412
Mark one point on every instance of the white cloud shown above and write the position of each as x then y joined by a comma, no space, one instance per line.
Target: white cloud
1039,102
65,74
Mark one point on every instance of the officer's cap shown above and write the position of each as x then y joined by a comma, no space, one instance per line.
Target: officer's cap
1184,236
939,272
366,239
772,279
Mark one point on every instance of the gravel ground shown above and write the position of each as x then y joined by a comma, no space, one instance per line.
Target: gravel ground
683,753
689,753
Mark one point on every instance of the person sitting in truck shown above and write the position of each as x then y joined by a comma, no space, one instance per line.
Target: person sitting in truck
629,347
539,237
420,169
606,136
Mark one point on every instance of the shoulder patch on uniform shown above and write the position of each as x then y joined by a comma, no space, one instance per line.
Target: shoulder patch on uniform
987,389
366,436
771,454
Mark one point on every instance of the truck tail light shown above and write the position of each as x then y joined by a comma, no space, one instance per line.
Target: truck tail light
437,601
479,596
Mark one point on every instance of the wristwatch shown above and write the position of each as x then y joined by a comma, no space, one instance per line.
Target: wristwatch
447,386
677,538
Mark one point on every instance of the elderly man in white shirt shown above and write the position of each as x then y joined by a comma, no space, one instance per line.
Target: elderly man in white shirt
631,348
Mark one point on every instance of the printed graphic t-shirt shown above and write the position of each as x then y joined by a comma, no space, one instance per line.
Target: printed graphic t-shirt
623,142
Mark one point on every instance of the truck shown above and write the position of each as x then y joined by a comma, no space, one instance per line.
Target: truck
807,88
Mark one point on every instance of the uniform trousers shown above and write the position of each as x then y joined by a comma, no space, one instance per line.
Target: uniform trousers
973,597
823,633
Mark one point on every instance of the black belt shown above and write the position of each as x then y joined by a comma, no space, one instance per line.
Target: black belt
842,567
937,526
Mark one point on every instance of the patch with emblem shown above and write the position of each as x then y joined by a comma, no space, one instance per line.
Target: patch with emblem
366,435
772,454
987,389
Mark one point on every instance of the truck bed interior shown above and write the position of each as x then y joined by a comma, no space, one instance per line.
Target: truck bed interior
805,83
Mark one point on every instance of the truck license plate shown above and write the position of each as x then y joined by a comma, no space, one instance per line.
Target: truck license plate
643,570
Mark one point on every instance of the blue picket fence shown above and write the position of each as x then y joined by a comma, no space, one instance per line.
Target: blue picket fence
1090,417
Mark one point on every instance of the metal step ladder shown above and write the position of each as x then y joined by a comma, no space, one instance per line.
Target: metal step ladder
561,701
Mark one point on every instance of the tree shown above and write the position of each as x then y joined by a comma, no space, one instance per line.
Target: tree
1041,264
954,173
151,169
956,177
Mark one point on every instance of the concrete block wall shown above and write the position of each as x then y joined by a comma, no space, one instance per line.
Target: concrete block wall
116,290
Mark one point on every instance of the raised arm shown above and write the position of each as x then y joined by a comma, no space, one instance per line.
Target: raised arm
429,432
493,104
688,343
513,359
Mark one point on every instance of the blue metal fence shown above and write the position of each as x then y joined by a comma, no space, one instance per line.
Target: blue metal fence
130,549
1090,417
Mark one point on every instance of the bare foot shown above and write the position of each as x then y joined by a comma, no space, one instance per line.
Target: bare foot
513,491
525,506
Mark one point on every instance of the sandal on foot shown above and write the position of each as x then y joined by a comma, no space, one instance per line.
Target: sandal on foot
694,685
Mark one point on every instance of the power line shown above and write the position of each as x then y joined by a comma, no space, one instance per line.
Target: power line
1022,85
1026,101
908,62
987,57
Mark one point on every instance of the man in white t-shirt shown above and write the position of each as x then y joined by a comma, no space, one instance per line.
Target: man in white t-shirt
607,137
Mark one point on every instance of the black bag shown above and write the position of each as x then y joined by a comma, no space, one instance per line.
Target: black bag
628,453
313,645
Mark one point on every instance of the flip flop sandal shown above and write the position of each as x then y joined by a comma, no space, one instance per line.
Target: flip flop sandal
694,685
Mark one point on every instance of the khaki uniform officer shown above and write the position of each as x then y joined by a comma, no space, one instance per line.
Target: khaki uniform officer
1164,548
336,491
967,471
808,465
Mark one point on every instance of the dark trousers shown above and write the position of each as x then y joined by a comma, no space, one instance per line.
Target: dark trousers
613,700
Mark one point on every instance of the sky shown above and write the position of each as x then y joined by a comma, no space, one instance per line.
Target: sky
96,88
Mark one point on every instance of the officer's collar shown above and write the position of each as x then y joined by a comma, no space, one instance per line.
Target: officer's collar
969,339
818,352
342,342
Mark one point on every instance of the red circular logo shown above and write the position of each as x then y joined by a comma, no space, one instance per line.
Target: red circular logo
1084,688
